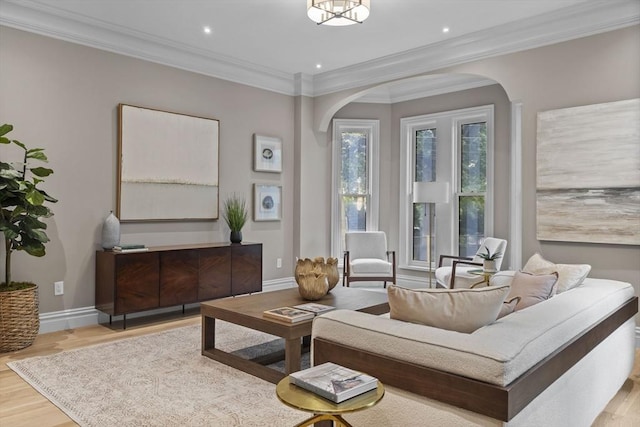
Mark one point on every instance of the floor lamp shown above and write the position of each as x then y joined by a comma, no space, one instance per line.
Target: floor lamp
430,192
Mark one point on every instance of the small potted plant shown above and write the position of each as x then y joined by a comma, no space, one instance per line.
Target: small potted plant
235,214
21,212
489,263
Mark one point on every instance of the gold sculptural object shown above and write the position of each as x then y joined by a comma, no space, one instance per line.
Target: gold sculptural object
316,277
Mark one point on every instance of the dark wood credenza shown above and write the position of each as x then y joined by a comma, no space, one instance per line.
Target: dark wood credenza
166,276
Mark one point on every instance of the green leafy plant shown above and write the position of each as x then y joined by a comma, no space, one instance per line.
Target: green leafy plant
235,212
22,205
490,256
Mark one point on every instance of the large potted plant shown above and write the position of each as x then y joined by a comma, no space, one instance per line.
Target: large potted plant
22,208
235,214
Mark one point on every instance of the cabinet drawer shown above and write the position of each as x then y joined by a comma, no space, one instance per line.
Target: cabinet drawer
178,277
215,273
137,277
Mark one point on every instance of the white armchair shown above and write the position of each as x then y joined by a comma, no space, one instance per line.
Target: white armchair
366,258
457,274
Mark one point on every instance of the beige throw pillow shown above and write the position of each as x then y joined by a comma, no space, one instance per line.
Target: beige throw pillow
461,310
532,289
569,275
509,306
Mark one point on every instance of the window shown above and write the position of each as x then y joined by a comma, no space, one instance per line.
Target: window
355,179
473,187
445,199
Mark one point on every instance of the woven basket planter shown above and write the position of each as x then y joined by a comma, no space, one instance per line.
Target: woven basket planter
19,320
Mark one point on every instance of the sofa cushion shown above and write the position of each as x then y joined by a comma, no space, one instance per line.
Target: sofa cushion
371,266
569,275
461,310
532,288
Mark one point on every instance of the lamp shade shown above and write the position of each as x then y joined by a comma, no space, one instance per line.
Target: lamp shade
338,12
430,192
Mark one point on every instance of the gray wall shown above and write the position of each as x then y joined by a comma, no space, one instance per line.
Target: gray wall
63,97
590,70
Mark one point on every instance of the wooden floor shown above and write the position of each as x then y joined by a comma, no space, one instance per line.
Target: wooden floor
21,405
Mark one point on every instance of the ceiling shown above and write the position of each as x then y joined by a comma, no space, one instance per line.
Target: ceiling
273,45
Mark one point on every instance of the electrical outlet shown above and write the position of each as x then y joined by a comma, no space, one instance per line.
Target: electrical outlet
279,263
58,288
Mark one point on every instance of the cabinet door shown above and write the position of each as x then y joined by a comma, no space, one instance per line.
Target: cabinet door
178,277
215,273
246,270
137,279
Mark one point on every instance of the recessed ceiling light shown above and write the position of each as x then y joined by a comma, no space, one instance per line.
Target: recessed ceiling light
445,29
207,30
318,66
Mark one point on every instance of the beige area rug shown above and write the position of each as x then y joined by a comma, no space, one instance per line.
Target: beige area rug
160,380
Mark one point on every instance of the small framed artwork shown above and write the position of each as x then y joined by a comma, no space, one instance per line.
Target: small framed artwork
267,202
267,154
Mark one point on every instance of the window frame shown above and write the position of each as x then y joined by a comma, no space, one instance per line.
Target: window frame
372,128
447,124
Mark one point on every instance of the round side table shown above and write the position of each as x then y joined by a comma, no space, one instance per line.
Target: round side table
486,276
324,409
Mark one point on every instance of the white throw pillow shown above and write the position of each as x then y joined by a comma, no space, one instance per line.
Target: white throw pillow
569,275
461,310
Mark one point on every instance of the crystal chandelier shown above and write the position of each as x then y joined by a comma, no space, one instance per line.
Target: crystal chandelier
338,12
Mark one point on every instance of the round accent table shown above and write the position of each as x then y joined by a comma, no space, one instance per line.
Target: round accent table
324,409
486,276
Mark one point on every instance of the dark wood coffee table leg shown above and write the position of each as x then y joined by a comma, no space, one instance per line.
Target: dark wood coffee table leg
292,355
208,333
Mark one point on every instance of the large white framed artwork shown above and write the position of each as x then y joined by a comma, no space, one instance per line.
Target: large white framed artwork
168,168
588,174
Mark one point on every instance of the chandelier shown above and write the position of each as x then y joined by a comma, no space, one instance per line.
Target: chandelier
338,12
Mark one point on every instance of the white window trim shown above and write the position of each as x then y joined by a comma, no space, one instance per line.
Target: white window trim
408,126
373,128
474,115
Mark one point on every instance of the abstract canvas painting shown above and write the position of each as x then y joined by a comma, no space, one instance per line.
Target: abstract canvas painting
588,173
168,169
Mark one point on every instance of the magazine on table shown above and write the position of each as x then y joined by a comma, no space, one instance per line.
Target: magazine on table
334,382
289,314
314,307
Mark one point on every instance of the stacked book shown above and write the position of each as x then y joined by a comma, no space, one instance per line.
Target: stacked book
130,248
334,382
297,313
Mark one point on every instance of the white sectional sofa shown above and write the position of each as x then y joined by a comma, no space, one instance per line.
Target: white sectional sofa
557,363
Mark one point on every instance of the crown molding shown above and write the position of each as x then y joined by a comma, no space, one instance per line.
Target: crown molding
52,22
566,24
422,88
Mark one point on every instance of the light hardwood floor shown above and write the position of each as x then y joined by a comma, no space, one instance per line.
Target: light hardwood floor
21,405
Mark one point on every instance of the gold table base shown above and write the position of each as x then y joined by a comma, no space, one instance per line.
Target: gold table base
338,421
324,409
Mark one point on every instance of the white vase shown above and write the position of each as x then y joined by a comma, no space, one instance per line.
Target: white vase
110,232
489,265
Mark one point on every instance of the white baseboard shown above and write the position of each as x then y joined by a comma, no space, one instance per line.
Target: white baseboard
87,316
414,282
278,284
68,319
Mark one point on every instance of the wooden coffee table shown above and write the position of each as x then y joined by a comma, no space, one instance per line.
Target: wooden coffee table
247,311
